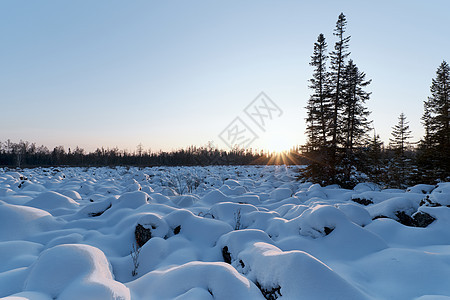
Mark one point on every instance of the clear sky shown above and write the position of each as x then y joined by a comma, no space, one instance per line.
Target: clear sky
169,74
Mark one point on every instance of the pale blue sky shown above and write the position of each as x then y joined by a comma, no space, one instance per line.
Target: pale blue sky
169,74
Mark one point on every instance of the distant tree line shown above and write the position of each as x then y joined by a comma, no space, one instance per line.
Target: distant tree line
26,154
339,147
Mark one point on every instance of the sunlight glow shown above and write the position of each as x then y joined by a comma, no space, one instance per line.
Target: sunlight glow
277,144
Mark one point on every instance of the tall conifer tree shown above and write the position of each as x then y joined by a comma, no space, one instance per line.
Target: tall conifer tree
337,116
435,147
319,102
400,165
374,158
318,114
400,136
352,132
354,113
338,57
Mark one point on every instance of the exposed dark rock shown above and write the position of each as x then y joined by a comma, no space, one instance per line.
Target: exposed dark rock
422,219
177,230
419,219
270,294
142,235
226,255
427,202
96,214
328,230
362,201
241,263
404,219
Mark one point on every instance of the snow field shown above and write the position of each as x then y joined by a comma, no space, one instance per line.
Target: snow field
250,232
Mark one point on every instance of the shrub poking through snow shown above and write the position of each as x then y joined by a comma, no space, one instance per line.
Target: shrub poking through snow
135,257
237,220
183,183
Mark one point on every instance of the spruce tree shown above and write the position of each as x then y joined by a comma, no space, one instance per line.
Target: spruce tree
400,136
426,157
318,113
337,117
354,113
427,123
352,133
374,166
338,57
435,146
319,102
400,165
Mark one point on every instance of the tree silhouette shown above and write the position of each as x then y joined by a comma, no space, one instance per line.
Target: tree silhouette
400,166
434,157
338,57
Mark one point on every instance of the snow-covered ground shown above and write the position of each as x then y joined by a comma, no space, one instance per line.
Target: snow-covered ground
250,232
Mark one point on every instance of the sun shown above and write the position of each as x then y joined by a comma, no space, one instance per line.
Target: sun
277,144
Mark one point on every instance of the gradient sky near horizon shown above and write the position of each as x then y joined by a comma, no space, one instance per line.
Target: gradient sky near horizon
169,74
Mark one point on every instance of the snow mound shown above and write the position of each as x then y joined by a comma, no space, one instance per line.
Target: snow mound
206,280
17,254
280,194
185,200
441,194
19,222
132,200
74,272
214,197
290,275
53,202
